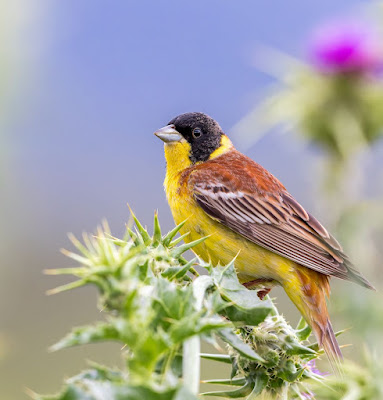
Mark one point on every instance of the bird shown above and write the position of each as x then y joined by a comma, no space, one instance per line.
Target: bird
248,215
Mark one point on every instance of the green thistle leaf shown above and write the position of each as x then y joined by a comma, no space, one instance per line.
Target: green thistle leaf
179,240
169,237
244,306
157,235
243,349
141,230
233,394
86,335
303,330
178,251
224,358
229,382
260,384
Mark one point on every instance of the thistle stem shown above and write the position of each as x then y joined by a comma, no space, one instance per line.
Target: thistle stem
191,363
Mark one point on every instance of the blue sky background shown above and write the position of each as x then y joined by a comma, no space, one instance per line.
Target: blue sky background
88,82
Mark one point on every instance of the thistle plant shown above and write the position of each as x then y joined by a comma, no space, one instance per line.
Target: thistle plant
286,367
333,98
159,308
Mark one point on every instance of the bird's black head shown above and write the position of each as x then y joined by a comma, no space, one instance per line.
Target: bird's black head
201,131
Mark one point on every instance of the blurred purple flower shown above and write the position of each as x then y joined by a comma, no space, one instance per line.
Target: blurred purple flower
311,365
344,47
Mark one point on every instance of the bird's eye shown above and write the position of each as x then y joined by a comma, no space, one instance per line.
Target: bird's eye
197,133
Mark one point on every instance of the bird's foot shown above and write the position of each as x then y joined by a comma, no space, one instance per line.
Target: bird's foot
263,291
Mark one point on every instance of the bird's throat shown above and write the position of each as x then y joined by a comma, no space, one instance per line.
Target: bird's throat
177,158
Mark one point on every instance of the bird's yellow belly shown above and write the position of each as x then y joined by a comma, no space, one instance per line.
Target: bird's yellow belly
223,244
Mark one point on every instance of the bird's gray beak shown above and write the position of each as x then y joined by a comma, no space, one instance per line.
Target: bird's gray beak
169,134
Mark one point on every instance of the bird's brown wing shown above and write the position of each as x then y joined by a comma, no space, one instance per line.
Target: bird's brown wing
233,191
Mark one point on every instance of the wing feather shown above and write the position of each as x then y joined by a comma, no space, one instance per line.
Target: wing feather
277,223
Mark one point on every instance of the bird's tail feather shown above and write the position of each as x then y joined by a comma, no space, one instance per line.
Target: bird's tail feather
308,291
327,339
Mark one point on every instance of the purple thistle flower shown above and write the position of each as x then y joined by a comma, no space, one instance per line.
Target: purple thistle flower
346,47
311,365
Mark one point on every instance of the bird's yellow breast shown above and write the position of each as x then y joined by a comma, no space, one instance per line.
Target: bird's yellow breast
223,244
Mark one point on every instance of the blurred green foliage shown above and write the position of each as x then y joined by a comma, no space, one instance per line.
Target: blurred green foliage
361,381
